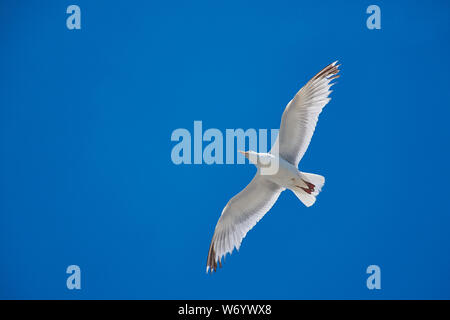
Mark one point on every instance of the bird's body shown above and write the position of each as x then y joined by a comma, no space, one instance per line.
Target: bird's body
286,176
245,209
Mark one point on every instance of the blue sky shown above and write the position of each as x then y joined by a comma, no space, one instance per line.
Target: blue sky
87,178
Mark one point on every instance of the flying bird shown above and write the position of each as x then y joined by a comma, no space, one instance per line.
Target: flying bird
246,208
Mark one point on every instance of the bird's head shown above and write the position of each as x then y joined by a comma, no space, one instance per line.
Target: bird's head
252,156
258,159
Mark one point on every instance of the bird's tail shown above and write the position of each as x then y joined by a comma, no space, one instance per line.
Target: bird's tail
314,184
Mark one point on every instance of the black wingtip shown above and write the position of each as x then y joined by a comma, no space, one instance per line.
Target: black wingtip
211,262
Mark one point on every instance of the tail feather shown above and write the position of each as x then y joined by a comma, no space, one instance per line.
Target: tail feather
314,184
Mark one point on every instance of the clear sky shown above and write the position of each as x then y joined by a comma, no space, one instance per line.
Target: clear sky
86,176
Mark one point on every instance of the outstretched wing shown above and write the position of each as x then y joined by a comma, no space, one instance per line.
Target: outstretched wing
240,214
301,114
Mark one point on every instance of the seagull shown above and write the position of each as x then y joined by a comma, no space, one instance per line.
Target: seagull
246,208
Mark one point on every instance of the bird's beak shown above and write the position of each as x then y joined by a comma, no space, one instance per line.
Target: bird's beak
245,153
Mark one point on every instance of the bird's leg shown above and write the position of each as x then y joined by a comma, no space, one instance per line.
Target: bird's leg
310,188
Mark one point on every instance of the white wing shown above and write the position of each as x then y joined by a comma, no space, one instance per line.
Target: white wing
240,214
301,114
